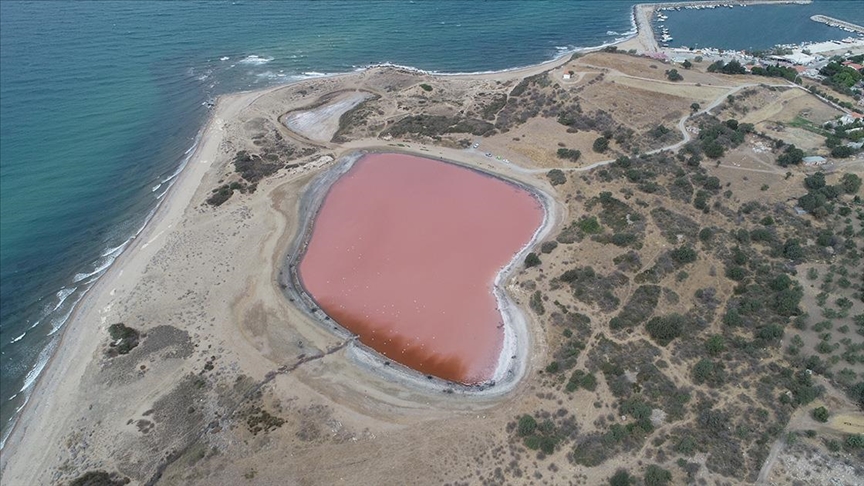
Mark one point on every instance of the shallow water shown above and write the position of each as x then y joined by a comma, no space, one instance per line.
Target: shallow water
404,252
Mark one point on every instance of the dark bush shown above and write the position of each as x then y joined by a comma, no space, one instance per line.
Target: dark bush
600,145
556,177
820,414
569,154
532,260
664,329
123,339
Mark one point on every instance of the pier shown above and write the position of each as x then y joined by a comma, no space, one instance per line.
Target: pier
847,26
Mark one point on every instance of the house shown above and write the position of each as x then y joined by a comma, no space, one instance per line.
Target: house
853,65
566,76
849,118
814,160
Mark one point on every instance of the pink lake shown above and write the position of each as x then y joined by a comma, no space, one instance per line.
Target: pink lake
404,253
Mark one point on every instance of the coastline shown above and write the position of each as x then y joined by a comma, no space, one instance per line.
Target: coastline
509,73
54,382
179,198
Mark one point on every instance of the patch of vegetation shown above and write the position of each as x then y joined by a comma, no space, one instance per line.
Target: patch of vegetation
569,154
425,87
556,177
259,420
820,414
664,329
99,478
532,260
438,125
638,309
594,289
254,167
123,339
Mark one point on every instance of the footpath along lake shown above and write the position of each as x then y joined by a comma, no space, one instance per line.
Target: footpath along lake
404,253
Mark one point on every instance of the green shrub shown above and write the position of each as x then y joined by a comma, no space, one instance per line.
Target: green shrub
657,476
820,414
621,478
123,339
526,426
590,225
532,260
665,329
569,154
426,87
556,177
600,145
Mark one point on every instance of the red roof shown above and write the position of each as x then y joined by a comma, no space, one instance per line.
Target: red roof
853,65
800,69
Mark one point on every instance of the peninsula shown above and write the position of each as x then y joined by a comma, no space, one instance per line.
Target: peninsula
681,302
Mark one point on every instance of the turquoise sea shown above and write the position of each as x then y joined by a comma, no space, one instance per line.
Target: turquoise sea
101,102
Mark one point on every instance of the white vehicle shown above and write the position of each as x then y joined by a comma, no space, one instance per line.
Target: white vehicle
475,145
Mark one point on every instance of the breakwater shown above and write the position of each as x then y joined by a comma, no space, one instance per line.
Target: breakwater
847,26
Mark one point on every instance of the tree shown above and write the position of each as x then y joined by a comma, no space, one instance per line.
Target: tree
556,177
820,414
715,345
601,144
791,156
850,183
571,154
526,426
621,478
842,152
674,75
532,260
815,181
714,150
683,255
687,64
695,107
665,329
657,476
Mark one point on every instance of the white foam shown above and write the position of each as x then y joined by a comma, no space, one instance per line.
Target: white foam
57,323
116,250
156,187
18,338
62,295
34,373
224,58
101,265
255,60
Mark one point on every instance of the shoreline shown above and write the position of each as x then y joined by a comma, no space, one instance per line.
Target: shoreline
516,340
72,335
519,71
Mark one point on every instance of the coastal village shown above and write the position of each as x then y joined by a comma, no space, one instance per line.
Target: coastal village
689,308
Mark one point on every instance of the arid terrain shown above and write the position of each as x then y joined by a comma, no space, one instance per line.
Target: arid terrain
683,323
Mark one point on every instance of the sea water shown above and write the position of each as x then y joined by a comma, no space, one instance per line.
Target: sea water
101,102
